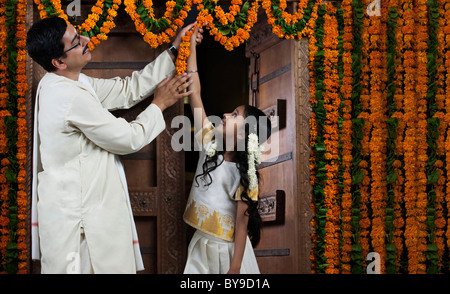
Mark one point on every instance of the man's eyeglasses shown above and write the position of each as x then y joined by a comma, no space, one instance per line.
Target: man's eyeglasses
76,45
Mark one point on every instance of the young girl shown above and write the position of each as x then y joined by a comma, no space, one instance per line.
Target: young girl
223,201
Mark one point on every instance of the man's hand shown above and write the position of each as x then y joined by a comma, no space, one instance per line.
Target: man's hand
198,39
169,91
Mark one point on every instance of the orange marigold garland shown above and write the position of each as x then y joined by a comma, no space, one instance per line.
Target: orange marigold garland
346,137
399,163
13,86
394,176
313,155
289,26
429,22
357,167
184,52
230,29
318,149
157,31
22,137
421,87
331,140
410,143
378,136
97,25
445,39
365,221
4,186
49,8
7,11
441,164
4,162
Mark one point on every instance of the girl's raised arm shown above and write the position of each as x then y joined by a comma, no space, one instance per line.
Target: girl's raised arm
195,98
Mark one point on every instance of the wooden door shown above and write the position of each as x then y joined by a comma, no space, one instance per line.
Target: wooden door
155,175
279,86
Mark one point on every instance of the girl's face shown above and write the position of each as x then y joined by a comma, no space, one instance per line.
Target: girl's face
231,129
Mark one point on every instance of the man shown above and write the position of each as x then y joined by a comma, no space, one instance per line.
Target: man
81,214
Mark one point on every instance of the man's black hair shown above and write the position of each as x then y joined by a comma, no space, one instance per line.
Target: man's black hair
44,41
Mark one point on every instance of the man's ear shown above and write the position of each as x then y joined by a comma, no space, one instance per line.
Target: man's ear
59,64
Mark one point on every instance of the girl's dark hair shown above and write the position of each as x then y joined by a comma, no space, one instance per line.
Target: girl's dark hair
44,41
211,163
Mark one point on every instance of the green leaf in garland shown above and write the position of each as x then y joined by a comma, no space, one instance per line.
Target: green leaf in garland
245,7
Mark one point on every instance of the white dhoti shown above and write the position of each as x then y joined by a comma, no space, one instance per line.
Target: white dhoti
210,255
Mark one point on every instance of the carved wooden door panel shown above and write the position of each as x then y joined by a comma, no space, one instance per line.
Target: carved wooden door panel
155,177
155,174
279,86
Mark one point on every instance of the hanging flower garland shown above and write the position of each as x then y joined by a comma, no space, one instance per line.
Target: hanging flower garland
6,115
394,178
445,39
289,26
49,8
318,149
4,163
428,91
3,77
356,169
315,155
378,136
365,221
440,164
410,143
399,115
13,86
22,136
347,146
183,52
421,87
157,31
230,29
97,25
331,138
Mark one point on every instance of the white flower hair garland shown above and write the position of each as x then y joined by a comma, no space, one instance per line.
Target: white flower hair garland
254,151
254,158
212,149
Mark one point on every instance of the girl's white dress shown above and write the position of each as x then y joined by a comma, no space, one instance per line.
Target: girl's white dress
212,211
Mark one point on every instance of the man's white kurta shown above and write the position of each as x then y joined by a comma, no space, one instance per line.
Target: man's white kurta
78,181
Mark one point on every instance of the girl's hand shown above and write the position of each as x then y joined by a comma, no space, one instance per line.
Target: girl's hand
198,35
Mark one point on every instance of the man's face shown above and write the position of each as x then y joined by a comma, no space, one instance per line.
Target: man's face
76,49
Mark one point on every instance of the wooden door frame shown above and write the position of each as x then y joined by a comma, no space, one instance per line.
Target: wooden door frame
303,150
262,38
